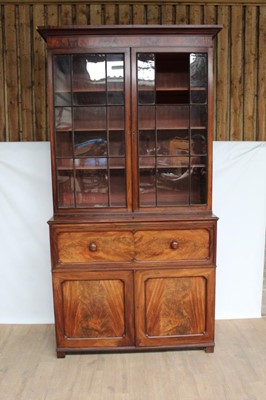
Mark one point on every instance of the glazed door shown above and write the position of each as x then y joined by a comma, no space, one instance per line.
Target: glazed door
91,118
174,307
94,309
170,109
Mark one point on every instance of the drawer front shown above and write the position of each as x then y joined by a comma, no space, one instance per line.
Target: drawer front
75,247
173,245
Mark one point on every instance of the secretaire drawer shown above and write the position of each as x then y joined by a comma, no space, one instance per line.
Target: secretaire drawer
75,247
171,245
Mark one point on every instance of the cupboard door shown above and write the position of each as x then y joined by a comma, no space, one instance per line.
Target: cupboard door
91,118
175,307
171,108
94,309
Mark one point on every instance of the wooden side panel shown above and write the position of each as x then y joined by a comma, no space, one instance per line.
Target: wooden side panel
11,68
250,76
3,127
124,14
66,14
153,14
196,15
82,14
95,14
138,14
94,309
25,41
240,62
95,247
175,307
181,14
39,88
223,77
173,245
261,116
236,82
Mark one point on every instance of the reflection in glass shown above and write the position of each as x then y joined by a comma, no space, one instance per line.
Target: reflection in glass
117,188
146,78
116,143
198,116
199,182
146,162
198,96
115,78
198,69
172,142
91,188
91,163
89,72
63,144
89,118
63,118
199,141
146,117
62,82
116,117
89,144
173,186
147,187
146,143
65,183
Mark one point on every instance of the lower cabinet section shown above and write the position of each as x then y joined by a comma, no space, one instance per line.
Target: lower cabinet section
124,310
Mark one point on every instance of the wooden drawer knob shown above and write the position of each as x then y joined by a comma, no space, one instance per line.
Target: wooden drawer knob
92,246
174,244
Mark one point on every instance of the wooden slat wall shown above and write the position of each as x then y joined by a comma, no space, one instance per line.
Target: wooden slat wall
240,58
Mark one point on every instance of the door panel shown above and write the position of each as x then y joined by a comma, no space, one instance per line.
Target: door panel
174,306
94,309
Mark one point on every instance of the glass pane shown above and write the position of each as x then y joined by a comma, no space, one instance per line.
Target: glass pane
199,96
147,187
116,143
91,163
89,118
172,71
62,82
146,143
146,116
146,78
117,187
199,141
173,186
89,73
172,161
63,119
198,117
198,70
172,142
65,183
91,186
115,78
90,144
63,144
199,181
145,162
171,117
116,118
117,162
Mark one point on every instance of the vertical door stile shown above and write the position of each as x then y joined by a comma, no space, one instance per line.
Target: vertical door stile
134,133
73,132
127,128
